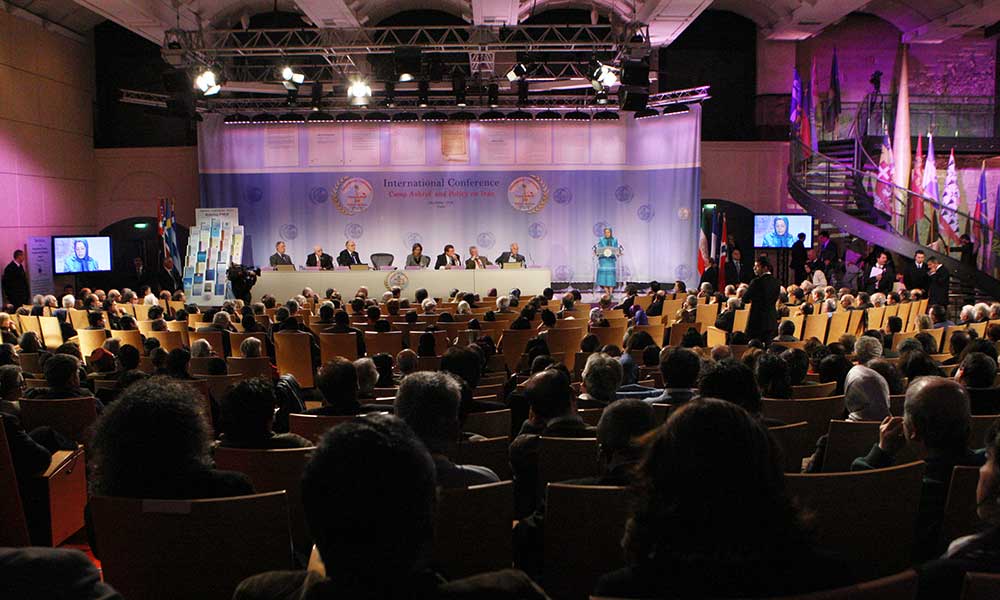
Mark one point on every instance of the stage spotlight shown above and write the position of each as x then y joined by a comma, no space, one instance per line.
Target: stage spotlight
359,93
518,71
646,113
207,83
462,115
522,92
406,61
606,115
349,117
423,93
601,97
290,117
390,94
435,116
237,119
458,88
290,79
548,115
676,109
519,115
491,115
265,118
493,95
377,117
576,115
601,75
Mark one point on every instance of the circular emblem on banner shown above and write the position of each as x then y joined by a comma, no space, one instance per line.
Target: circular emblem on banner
608,253
354,231
624,194
684,213
682,272
413,238
396,279
486,240
528,194
288,232
645,212
537,230
353,195
254,195
563,195
563,273
599,228
318,195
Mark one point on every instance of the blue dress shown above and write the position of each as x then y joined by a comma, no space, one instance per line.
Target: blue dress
607,271
72,264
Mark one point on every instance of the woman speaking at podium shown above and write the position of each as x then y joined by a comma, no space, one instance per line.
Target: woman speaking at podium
607,251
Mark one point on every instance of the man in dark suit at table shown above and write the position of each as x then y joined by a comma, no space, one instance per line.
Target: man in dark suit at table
511,256
736,271
449,258
349,255
279,257
916,275
938,282
15,282
475,261
319,259
762,322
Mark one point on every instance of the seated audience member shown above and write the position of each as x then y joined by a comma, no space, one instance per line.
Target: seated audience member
103,363
158,357
65,327
429,403
834,368
248,418
936,421
978,374
383,365
222,324
733,381
890,373
944,578
866,398
918,363
11,387
939,316
590,343
375,322
338,382
406,362
95,320
62,378
959,340
602,375
342,324
201,349
867,348
786,332
30,343
651,356
466,366
383,551
367,377
179,363
7,329
798,365
52,573
772,377
552,413
216,366
679,368
426,345
689,537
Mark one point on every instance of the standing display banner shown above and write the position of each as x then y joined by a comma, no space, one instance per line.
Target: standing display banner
215,241
40,265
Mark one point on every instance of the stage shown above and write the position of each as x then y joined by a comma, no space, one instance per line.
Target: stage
286,284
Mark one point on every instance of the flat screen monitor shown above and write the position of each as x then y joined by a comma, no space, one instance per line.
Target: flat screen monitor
781,231
81,254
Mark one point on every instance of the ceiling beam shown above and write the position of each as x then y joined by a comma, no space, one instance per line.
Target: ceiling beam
974,14
810,18
495,12
667,19
329,13
148,18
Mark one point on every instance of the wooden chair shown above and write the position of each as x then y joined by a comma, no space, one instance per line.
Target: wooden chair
902,336
876,317
854,321
566,341
938,335
28,323
214,339
794,443
332,345
182,328
560,459
979,328
816,411
72,417
493,453
654,330
494,390
662,411
199,365
195,554
141,311
846,441
838,325
218,385
978,427
815,390
494,423
960,516
78,318
128,338
706,314
947,336
740,320
904,314
90,340
391,343
50,332
677,332
482,513
513,342
815,327
236,339
273,471
609,335
981,586
715,337
312,427
854,516
428,363
293,354
582,539
169,340
249,367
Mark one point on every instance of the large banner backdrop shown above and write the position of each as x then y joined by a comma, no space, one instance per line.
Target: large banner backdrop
550,187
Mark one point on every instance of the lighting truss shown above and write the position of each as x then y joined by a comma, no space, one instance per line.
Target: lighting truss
686,96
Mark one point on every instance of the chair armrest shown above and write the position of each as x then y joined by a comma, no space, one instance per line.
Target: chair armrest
59,459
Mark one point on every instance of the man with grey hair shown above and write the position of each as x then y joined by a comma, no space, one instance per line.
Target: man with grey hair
201,349
982,312
428,306
252,347
367,376
936,423
223,325
68,301
725,319
602,375
878,299
867,348
967,315
406,362
503,304
428,402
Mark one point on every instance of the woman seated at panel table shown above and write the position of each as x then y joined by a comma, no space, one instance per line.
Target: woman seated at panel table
417,258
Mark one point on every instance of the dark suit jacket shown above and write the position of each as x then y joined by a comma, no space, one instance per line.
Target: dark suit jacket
725,321
51,573
937,287
732,278
15,285
914,278
280,259
505,257
710,276
325,261
830,253
346,259
442,261
471,264
762,322
883,285
169,280
799,256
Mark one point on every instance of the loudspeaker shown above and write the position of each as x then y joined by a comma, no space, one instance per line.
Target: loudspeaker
633,97
635,72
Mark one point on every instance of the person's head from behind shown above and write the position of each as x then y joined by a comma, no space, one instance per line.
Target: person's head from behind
154,430
463,364
62,371
798,365
248,410
890,373
772,376
651,356
406,362
733,381
177,362
429,403
338,380
834,367
377,463
977,371
622,424
201,349
367,375
687,504
252,347
938,313
679,368
917,363
590,343
11,383
549,395
936,415
867,348
959,340
787,328
426,345
601,376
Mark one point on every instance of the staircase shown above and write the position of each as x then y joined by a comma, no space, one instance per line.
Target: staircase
829,185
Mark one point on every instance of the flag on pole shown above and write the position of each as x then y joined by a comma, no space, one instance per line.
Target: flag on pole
723,254
811,103
795,114
832,112
713,247
901,139
996,228
930,185
883,184
979,216
950,201
168,233
916,205
703,252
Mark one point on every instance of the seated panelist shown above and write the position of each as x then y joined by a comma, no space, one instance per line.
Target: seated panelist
448,259
417,258
319,259
349,255
475,261
279,257
512,256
